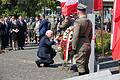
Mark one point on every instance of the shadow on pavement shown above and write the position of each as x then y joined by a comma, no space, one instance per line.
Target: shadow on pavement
55,65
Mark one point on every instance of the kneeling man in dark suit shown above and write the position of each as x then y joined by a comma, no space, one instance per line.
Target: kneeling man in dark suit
45,51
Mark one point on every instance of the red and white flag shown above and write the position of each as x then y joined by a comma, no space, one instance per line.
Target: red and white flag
98,5
69,7
115,37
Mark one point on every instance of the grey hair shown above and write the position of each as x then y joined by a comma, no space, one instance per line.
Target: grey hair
48,31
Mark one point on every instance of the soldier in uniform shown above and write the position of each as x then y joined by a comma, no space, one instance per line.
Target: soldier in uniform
81,40
66,23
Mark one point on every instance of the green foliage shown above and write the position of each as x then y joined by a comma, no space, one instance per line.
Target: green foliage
5,1
6,12
106,42
24,7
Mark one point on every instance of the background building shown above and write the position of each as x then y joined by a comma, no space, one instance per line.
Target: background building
108,7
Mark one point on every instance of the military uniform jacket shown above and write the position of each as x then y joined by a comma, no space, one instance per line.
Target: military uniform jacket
65,25
82,33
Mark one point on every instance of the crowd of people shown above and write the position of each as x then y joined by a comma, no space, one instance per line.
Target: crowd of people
12,33
15,32
106,24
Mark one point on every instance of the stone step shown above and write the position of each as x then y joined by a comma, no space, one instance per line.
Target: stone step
92,76
113,77
104,59
108,64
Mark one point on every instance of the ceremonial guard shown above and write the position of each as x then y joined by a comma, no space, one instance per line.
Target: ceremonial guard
81,44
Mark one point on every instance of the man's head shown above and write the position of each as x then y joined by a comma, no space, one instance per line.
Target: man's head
6,19
21,18
13,18
31,19
81,9
37,18
49,33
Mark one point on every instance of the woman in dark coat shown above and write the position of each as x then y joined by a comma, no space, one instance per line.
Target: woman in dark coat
45,51
14,34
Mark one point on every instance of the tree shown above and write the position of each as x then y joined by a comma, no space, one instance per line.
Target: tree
24,7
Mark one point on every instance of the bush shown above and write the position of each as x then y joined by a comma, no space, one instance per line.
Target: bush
106,42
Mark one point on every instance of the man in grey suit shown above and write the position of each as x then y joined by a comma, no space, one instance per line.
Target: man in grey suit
81,40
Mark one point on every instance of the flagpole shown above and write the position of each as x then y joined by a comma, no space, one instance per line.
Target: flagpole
91,16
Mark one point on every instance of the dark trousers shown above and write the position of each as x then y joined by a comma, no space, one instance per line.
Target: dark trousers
47,60
21,40
7,39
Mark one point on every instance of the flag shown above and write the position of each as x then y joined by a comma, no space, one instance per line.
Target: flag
98,5
115,36
70,7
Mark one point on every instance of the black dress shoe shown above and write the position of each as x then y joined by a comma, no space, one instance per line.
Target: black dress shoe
46,65
38,64
74,68
82,73
22,48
